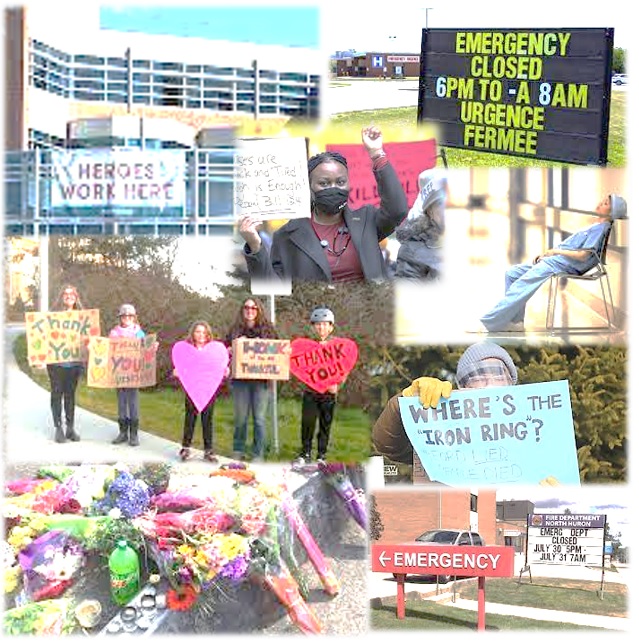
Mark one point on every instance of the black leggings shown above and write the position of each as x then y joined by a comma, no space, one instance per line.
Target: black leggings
317,406
190,415
64,383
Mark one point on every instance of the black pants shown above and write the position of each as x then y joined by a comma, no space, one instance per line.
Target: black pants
317,406
64,383
190,416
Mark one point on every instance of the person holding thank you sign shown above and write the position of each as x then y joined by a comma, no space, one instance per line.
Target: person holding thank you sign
334,243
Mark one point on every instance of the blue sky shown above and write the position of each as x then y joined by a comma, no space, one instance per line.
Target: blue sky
267,25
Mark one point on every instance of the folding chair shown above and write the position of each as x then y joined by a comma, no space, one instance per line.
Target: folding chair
597,273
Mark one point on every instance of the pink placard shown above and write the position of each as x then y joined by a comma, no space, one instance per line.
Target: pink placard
200,371
320,366
409,159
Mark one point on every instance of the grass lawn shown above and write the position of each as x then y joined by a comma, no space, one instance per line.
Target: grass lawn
559,594
428,615
162,414
459,157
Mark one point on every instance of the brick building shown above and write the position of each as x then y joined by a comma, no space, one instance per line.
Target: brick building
375,64
409,512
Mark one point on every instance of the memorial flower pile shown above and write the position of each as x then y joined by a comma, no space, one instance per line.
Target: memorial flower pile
202,532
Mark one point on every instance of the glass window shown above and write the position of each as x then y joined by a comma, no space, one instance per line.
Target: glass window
302,78
88,73
117,62
117,75
167,66
246,73
196,82
84,95
268,73
193,69
142,64
86,59
89,84
121,87
142,78
473,502
116,98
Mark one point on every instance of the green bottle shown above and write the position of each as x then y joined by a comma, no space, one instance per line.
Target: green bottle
124,568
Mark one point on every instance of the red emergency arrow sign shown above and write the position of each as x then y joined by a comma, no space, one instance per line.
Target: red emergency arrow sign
454,560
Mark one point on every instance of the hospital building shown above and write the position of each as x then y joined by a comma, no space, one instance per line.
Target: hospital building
74,91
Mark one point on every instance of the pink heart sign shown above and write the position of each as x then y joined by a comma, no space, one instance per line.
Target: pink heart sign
322,365
200,371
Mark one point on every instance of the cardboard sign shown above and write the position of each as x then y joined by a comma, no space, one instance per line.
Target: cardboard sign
539,93
260,359
495,436
200,371
60,337
121,362
409,160
453,560
566,539
320,366
271,178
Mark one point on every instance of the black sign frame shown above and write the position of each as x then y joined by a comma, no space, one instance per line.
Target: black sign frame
578,136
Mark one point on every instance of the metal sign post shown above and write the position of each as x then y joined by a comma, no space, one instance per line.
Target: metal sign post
423,559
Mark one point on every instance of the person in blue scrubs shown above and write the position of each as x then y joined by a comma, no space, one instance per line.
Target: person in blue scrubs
576,255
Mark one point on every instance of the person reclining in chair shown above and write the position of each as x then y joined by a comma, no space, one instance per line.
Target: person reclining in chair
577,254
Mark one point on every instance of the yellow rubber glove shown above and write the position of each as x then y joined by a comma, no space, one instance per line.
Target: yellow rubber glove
429,389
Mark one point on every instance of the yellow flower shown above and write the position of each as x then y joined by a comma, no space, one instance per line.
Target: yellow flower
11,576
185,550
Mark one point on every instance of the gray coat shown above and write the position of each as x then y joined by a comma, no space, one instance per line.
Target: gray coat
296,251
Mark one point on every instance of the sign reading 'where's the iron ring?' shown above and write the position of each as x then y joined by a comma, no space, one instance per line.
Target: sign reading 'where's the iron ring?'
566,539
538,93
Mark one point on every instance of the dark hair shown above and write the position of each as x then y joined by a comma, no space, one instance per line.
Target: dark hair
262,326
194,325
325,157
59,304
422,228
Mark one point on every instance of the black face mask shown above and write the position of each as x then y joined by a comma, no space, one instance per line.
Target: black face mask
331,200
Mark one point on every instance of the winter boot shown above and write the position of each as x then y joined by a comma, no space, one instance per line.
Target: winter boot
133,433
123,436
59,433
71,434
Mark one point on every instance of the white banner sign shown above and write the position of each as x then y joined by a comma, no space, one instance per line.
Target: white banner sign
566,539
119,177
271,178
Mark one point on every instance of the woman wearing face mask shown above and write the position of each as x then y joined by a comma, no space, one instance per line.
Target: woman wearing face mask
334,243
482,365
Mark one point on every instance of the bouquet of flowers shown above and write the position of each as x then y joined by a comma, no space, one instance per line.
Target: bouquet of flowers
354,499
51,617
130,495
50,564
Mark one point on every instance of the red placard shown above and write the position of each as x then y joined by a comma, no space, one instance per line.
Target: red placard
454,560
322,365
408,158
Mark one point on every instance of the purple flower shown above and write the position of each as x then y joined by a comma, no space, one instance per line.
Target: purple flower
236,569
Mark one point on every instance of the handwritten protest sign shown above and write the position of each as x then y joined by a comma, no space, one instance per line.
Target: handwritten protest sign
121,362
515,434
260,359
200,371
408,158
60,337
271,178
320,366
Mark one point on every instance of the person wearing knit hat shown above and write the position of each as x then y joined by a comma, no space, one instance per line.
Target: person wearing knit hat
334,243
420,235
577,254
482,365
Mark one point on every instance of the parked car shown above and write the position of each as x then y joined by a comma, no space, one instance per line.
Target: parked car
450,537
619,79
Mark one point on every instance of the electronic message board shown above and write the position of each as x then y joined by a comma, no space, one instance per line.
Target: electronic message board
540,93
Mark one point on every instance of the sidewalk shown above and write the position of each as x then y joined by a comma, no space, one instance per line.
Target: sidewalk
382,586
28,427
